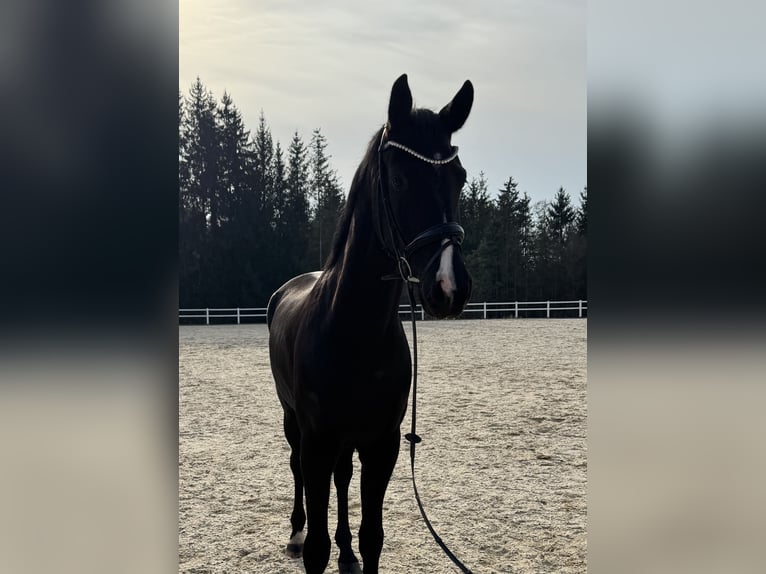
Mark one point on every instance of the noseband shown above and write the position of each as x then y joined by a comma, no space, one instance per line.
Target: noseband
450,233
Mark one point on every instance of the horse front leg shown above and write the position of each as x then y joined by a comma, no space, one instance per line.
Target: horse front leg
378,461
348,563
318,457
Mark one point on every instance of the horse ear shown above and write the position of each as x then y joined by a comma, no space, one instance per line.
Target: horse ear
401,101
455,113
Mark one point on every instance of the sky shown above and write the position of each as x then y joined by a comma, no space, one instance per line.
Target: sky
331,65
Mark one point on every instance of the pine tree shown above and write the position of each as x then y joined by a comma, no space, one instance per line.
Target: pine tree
297,206
561,219
541,252
264,153
236,159
183,175
562,216
198,194
236,154
505,229
522,220
326,192
279,253
257,280
579,248
582,213
503,256
278,182
475,212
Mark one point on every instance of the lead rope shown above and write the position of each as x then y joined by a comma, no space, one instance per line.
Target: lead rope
405,273
414,439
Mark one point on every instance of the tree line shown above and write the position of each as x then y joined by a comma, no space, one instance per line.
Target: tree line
252,215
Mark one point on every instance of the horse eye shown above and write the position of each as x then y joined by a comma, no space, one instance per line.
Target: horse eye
397,181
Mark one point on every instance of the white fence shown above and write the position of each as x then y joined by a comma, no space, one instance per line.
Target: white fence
487,310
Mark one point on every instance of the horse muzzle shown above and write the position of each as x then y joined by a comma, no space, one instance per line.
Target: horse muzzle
445,284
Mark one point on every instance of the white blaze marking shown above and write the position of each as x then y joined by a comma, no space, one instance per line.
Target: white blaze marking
445,276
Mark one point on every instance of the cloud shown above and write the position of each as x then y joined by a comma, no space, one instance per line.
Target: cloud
332,66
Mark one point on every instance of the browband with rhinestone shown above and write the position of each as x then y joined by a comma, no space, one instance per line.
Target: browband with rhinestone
420,156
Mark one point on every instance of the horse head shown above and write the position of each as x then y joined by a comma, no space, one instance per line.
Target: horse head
420,182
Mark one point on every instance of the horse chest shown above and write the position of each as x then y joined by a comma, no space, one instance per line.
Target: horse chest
358,377
357,388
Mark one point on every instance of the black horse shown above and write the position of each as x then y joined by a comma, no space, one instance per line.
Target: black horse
338,351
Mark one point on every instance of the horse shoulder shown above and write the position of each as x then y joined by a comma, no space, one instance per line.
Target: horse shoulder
289,295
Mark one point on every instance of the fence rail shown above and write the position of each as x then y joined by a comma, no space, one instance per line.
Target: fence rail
486,309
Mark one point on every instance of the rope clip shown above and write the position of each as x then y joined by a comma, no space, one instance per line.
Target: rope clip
406,271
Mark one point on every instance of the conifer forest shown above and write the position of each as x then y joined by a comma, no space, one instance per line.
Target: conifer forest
254,213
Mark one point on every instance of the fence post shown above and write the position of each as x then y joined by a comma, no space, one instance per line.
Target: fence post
207,316
548,309
422,313
579,308
485,309
237,315
516,310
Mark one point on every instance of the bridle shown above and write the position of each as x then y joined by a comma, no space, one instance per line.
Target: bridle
449,233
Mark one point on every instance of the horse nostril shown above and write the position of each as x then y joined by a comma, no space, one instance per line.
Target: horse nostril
447,287
445,291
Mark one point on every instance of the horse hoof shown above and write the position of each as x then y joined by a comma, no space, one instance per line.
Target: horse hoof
349,568
295,546
294,550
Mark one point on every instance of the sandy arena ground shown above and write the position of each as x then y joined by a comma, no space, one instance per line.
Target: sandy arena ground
501,469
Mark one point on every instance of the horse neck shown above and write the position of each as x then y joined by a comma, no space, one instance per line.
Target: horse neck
356,285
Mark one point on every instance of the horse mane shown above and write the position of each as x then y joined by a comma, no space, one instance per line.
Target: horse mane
366,176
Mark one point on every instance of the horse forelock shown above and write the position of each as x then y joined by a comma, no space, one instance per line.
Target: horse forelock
425,132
